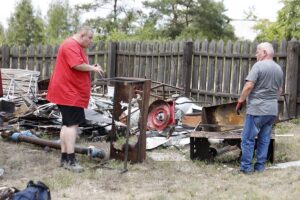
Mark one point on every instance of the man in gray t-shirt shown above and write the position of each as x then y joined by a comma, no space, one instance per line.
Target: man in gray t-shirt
262,89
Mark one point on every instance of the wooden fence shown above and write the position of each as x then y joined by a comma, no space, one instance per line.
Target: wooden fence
210,72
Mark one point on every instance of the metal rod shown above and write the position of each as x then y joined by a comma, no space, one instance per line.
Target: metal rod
127,129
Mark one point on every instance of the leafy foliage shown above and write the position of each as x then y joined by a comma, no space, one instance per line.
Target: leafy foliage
59,21
286,26
24,27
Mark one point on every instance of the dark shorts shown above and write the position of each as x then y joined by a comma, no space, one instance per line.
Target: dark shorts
72,115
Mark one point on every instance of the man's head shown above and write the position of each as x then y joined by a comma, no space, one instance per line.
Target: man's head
84,36
264,51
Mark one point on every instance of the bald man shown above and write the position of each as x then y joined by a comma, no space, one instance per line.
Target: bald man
69,88
262,89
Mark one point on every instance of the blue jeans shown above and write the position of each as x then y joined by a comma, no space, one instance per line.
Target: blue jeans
260,126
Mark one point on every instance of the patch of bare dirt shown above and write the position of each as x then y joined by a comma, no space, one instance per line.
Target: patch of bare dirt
166,174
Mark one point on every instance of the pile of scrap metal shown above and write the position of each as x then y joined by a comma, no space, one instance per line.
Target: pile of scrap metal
171,121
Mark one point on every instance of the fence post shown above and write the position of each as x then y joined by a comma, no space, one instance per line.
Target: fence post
111,60
187,67
292,76
5,56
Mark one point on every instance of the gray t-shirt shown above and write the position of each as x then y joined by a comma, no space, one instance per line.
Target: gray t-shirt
267,76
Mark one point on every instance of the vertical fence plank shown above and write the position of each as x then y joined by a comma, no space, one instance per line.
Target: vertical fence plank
14,57
196,69
136,59
180,65
31,57
291,86
252,54
282,59
101,54
174,63
131,58
39,57
92,59
161,65
227,71
149,60
245,64
142,71
187,66
155,61
211,70
236,68
168,62
203,70
121,70
126,65
111,60
48,56
23,57
5,62
219,70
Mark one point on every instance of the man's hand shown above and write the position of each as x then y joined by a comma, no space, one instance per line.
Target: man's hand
239,106
98,68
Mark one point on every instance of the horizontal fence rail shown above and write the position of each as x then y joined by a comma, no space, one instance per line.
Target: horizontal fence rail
209,72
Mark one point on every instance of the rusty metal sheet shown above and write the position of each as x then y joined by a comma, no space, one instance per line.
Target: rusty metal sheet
223,116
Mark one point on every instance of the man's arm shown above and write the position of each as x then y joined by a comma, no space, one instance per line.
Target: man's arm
248,87
89,68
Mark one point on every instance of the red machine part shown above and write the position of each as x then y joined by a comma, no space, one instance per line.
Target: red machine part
160,115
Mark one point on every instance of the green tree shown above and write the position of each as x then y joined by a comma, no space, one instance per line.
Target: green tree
192,18
2,34
59,21
24,27
286,26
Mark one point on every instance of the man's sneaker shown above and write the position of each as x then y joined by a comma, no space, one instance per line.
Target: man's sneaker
62,163
74,167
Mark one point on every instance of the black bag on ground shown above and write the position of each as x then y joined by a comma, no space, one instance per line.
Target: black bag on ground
33,191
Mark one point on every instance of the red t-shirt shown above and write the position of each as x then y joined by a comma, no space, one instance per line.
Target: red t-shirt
69,86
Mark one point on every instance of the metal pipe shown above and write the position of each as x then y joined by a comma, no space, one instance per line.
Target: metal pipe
30,138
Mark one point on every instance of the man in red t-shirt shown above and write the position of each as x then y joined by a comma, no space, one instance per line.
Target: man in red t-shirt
69,88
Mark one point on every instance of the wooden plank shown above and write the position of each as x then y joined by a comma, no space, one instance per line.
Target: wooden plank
253,53
211,70
39,65
187,66
111,60
48,62
155,62
227,70
180,65
23,57
167,70
244,65
291,86
149,61
136,60
219,71
14,57
162,62
120,60
131,58
101,55
5,58
203,70
236,69
196,68
126,65
92,58
174,63
31,57
283,61
142,71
